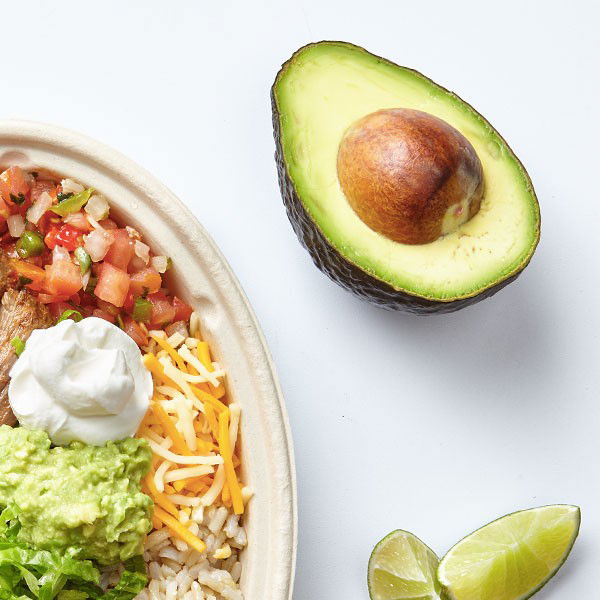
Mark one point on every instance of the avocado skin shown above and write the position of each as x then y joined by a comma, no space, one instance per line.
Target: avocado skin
342,271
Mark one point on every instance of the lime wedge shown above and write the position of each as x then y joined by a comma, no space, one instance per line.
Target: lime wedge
511,558
402,567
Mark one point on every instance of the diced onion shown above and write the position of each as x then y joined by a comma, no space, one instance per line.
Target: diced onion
97,244
134,234
79,220
71,187
97,207
60,253
160,263
39,207
142,251
16,225
86,278
176,339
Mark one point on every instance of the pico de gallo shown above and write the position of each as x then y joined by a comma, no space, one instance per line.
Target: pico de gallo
68,251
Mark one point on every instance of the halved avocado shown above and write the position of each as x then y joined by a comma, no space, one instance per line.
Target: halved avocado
319,96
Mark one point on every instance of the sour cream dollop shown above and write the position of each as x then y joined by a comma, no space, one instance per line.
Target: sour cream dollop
80,381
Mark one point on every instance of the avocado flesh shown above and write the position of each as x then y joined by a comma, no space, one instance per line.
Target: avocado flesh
325,88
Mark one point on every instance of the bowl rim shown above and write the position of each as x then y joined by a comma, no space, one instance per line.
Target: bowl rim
16,132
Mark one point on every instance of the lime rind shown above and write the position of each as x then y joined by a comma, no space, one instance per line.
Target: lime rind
402,567
513,557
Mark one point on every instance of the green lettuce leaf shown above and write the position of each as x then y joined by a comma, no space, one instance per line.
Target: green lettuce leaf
30,574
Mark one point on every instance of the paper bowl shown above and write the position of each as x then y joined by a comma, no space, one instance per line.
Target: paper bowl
203,278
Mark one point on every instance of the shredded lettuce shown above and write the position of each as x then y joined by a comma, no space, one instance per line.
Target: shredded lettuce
30,574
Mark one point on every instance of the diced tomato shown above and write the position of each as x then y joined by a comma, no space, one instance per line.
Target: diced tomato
58,308
113,285
51,298
145,281
109,308
39,187
50,237
14,187
79,221
63,278
88,299
108,224
133,329
25,269
162,309
103,315
66,235
183,311
4,210
47,221
129,301
86,311
121,250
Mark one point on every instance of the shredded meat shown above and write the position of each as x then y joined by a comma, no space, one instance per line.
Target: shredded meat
20,314
4,272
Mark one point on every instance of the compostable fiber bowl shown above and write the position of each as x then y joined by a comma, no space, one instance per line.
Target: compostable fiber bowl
201,276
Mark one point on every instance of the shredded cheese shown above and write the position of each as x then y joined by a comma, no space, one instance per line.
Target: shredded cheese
192,432
184,460
159,476
179,530
187,473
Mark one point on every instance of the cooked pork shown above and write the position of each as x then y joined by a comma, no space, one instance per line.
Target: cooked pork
20,314
4,272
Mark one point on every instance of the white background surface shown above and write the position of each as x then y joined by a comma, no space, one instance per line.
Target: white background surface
432,424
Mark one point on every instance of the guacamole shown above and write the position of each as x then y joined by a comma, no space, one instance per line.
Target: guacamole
82,500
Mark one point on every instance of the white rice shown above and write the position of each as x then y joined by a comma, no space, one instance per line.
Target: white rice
177,572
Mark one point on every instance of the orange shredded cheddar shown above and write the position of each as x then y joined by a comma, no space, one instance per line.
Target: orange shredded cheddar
180,530
217,392
151,363
203,354
199,483
156,523
143,424
170,429
171,352
210,399
160,499
230,476
212,419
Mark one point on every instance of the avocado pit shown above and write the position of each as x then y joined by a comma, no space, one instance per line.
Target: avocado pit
409,175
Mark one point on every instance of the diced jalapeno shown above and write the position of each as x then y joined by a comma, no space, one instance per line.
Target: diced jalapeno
84,259
18,344
75,315
29,244
72,203
142,310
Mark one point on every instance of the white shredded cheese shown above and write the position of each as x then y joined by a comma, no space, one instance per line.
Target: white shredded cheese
159,481
211,459
183,500
187,472
186,354
216,488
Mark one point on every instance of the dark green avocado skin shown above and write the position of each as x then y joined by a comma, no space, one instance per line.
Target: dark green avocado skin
346,274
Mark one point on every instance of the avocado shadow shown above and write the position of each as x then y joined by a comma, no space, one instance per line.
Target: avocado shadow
510,341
